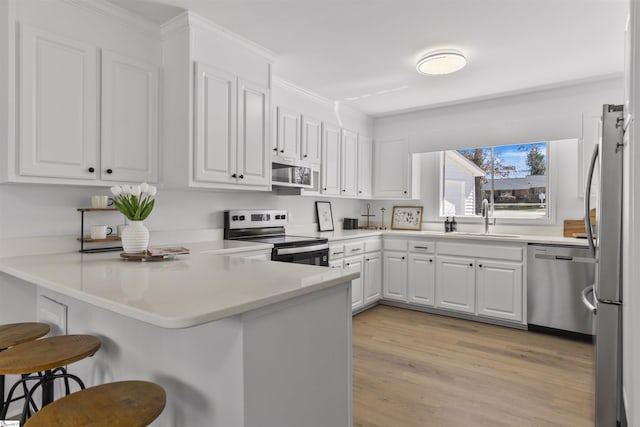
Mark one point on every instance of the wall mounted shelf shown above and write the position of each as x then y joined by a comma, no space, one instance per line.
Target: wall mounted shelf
109,239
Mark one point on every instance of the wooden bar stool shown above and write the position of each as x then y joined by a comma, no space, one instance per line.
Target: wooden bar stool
13,334
46,357
119,404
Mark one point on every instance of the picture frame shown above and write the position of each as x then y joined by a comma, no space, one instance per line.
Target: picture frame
324,216
407,218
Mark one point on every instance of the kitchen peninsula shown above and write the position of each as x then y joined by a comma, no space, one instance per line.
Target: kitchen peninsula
221,334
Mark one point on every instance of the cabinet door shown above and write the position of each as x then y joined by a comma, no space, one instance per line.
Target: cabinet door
215,153
129,145
422,277
288,133
499,287
330,160
352,264
349,163
455,283
311,140
365,165
392,169
395,276
58,106
372,277
254,167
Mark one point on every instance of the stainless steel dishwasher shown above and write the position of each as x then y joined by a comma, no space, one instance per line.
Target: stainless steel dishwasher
556,276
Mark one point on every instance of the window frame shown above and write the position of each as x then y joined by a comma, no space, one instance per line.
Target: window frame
549,218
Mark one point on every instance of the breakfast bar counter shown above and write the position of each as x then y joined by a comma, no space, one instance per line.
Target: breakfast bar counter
219,333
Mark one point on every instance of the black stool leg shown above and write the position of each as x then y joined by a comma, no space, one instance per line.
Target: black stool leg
47,390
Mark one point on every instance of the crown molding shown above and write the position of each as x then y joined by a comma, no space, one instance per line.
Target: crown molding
120,15
279,81
189,19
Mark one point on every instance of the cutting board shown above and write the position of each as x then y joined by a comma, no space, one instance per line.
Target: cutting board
575,227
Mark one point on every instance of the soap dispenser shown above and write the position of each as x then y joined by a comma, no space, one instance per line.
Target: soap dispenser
454,224
447,225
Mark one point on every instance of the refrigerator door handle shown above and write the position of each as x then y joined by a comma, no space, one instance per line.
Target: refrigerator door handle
587,201
585,299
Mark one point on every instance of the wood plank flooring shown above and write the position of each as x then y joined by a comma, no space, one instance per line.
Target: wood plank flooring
418,369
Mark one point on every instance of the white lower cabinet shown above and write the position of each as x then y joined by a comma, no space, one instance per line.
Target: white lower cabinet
373,277
351,264
422,278
363,256
395,275
455,283
499,287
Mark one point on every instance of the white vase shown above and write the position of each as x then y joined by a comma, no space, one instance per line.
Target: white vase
135,237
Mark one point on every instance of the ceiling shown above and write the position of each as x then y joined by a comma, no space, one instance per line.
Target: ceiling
363,52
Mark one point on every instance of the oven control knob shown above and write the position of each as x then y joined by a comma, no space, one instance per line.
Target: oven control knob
241,217
234,218
277,216
283,217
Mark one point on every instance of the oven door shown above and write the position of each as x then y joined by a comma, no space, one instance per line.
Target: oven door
312,255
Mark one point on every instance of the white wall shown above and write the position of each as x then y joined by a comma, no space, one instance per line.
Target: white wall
539,116
28,210
631,228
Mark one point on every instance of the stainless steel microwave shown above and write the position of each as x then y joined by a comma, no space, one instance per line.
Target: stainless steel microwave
292,175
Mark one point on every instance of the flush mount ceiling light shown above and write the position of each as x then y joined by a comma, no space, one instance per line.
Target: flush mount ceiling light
441,62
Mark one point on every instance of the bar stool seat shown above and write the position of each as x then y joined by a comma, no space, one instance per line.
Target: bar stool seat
42,362
17,333
119,404
47,353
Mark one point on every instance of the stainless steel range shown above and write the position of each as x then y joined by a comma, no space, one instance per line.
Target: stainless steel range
268,226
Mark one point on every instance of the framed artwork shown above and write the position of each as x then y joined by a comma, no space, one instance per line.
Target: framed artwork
406,218
325,217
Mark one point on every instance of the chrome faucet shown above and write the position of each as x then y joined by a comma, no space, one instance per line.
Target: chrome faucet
485,215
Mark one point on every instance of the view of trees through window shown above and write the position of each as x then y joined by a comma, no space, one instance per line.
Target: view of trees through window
512,177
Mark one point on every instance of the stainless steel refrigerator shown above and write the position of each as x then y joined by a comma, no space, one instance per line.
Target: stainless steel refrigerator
604,297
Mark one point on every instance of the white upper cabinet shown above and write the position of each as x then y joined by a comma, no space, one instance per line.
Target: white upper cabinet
311,140
393,170
58,129
129,145
215,146
253,165
330,160
349,163
365,166
217,118
288,134
79,124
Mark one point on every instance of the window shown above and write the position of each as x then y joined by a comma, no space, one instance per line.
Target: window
513,178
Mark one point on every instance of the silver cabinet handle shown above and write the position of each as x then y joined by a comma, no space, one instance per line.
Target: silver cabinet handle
356,249
421,247
585,299
337,253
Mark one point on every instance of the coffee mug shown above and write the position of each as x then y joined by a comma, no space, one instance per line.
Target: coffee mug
100,231
101,202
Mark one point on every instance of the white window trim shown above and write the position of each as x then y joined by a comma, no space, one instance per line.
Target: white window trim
549,219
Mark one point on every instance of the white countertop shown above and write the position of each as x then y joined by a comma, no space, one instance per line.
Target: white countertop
520,238
186,291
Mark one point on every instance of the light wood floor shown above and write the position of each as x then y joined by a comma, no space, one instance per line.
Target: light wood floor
418,369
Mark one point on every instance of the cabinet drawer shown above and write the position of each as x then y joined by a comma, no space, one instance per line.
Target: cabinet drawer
372,245
422,246
395,244
507,253
336,251
356,248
